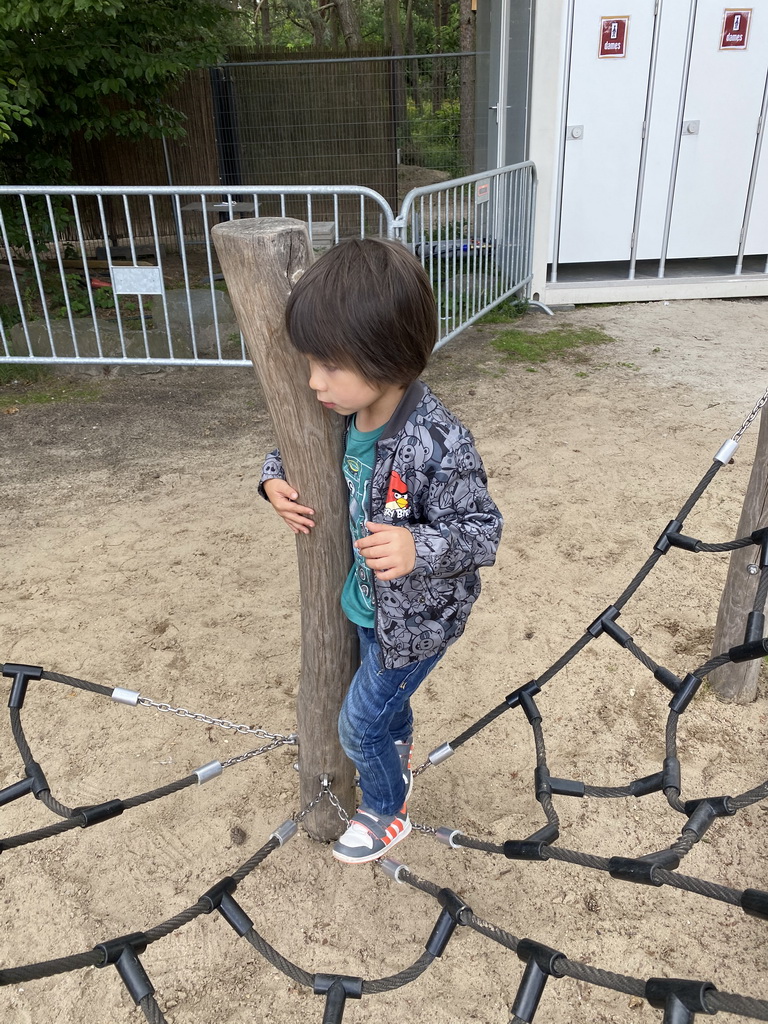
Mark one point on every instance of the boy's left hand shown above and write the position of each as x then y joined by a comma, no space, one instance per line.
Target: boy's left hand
389,551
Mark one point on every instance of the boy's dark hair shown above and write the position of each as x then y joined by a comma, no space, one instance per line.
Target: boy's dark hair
366,305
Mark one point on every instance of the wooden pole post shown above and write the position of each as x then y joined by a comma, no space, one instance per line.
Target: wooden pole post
737,684
261,260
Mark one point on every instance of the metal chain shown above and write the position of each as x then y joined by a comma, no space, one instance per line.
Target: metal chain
422,768
222,723
301,815
335,802
751,417
254,753
427,829
324,791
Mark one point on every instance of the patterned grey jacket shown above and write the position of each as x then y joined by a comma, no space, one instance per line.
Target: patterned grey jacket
429,478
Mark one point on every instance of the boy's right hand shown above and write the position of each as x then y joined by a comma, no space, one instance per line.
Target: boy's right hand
282,498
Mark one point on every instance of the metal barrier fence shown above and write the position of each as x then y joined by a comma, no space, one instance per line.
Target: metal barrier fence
474,236
117,275
69,292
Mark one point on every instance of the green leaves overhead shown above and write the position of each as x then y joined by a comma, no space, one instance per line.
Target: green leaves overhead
97,66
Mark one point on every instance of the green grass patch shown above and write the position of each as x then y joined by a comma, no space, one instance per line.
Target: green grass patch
505,313
22,373
527,347
27,384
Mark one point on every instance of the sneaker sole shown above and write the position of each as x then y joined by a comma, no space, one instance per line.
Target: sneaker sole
344,859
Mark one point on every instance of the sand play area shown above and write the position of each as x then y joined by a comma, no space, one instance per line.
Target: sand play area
136,553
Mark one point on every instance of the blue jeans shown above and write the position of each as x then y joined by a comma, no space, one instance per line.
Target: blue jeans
375,714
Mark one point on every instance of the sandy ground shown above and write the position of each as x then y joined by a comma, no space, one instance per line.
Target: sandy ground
136,553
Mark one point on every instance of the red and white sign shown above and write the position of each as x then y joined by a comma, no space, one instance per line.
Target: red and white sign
735,29
613,36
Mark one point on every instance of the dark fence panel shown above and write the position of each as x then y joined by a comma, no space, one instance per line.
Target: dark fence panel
313,121
386,123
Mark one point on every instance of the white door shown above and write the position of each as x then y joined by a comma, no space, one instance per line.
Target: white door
608,84
663,125
720,122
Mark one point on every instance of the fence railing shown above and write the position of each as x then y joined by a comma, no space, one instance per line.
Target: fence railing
129,275
474,236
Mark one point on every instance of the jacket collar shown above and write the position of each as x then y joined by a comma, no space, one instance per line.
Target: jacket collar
412,397
414,394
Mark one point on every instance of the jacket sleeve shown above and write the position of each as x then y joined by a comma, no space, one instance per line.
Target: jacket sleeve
271,470
463,527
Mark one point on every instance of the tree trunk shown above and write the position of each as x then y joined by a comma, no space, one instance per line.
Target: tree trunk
438,64
393,40
738,683
410,45
350,24
261,259
467,100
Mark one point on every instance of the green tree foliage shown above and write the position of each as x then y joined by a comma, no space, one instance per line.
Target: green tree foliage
100,67
427,26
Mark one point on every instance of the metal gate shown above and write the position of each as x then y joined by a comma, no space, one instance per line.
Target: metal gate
117,275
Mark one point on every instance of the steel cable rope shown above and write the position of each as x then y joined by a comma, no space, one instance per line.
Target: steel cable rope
45,795
761,593
94,958
151,1010
544,797
725,1001
733,545
672,791
81,684
641,656
682,515
556,666
302,977
607,792
74,818
505,938
736,803
688,883
79,820
752,796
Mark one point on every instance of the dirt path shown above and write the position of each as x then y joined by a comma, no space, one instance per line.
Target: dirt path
136,553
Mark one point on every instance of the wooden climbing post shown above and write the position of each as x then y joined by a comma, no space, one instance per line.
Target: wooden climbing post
261,260
737,683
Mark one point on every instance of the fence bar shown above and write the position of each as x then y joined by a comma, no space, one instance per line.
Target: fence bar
473,234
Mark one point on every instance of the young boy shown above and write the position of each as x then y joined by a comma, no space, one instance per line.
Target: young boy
421,519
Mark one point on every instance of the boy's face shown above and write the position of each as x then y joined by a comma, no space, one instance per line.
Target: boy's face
342,391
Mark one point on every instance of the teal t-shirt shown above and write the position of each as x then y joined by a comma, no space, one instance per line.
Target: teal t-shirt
357,600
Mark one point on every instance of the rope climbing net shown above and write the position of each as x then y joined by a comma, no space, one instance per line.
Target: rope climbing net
679,999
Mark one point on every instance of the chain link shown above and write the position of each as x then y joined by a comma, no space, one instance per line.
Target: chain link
253,753
324,791
301,815
222,723
427,829
759,405
339,809
422,768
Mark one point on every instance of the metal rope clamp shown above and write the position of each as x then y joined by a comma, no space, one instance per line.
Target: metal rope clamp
336,988
124,952
679,998
541,965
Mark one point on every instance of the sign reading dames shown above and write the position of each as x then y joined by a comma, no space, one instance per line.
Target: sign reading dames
735,29
613,37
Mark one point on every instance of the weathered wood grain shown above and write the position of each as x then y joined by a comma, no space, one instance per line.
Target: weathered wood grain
261,260
738,683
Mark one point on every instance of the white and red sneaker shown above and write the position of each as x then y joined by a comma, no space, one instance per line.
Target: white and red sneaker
371,835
